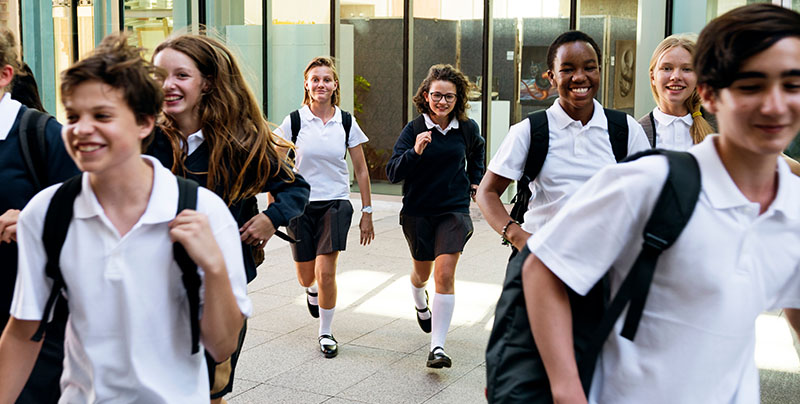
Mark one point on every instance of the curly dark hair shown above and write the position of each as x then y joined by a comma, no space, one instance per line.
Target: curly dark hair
730,39
569,37
445,73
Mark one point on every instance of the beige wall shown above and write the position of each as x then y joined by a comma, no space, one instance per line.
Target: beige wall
617,8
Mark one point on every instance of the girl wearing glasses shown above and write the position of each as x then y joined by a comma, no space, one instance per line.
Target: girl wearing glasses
439,157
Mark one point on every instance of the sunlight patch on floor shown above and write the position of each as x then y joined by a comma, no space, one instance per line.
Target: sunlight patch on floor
774,345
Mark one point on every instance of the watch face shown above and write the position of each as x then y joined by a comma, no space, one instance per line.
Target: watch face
367,209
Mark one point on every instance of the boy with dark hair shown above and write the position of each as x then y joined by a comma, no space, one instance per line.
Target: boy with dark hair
129,336
736,257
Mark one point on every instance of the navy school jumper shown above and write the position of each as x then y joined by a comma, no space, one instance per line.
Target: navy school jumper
437,181
291,198
18,189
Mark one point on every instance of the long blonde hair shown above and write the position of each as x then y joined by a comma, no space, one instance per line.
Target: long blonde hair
700,127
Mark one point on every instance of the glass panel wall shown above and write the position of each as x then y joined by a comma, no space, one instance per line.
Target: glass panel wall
63,47
612,24
299,31
538,24
148,21
376,79
719,7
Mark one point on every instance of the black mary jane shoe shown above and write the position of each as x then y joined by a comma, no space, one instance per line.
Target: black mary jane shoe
437,359
425,325
330,351
312,308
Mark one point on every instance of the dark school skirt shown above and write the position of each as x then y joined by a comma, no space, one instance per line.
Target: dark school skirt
321,229
430,236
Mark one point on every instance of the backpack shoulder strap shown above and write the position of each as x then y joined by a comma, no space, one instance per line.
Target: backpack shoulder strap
418,124
672,211
540,143
56,225
347,123
294,118
187,199
618,132
32,127
649,126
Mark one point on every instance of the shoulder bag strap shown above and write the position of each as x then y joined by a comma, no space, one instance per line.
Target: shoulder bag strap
187,199
56,225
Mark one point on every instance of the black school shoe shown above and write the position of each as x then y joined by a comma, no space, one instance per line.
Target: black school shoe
437,359
424,324
330,351
312,308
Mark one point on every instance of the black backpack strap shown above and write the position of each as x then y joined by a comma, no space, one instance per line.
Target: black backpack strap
187,199
56,224
32,126
294,118
671,213
617,133
653,126
347,122
418,125
537,152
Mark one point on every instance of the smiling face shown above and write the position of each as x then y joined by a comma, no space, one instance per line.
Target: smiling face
674,80
576,75
101,132
183,86
320,84
441,109
759,112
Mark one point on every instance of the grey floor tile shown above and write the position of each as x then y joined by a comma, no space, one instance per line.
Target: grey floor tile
240,386
265,393
276,356
469,389
405,381
282,320
254,338
400,336
331,376
337,400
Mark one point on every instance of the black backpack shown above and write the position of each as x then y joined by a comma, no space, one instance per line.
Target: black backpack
56,224
514,370
32,126
347,122
540,143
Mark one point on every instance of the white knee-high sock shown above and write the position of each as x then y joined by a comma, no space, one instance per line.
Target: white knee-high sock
442,309
325,320
313,289
419,301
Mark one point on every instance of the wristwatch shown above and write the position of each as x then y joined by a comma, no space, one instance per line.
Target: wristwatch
367,209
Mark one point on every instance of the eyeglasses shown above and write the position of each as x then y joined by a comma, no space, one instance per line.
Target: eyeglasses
447,97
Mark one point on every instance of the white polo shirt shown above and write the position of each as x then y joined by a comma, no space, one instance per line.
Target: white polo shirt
672,132
8,114
576,152
430,124
128,338
696,339
320,153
